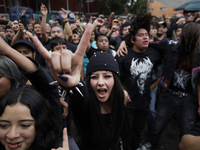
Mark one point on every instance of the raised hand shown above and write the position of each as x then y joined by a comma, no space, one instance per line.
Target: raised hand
64,14
66,66
98,22
23,11
65,142
21,27
43,10
112,13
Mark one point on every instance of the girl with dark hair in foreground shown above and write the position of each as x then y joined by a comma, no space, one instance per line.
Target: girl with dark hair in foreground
27,121
100,108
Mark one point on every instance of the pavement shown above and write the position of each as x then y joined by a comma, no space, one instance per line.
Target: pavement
170,138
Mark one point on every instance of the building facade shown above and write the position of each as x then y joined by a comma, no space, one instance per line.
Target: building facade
160,8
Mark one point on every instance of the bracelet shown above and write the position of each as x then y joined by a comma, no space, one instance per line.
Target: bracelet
66,22
70,91
65,90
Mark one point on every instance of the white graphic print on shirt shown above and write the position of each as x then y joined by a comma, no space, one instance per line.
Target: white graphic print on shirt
141,69
181,78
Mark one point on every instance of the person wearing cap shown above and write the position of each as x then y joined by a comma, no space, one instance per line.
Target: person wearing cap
99,104
103,29
15,26
72,21
25,47
76,36
115,22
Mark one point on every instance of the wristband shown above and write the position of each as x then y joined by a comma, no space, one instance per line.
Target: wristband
66,22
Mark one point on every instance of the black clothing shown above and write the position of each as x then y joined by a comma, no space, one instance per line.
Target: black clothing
40,80
135,70
116,41
83,114
195,130
38,56
177,97
76,44
170,30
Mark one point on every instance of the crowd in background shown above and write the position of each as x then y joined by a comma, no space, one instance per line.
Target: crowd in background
110,75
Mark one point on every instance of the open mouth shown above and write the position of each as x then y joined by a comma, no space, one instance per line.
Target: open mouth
102,92
9,37
14,145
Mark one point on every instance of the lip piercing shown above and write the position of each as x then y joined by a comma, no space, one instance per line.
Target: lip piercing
19,145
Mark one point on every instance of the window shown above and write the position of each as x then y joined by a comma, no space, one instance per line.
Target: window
164,9
151,10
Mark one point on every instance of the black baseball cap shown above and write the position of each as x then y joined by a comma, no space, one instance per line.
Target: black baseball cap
25,43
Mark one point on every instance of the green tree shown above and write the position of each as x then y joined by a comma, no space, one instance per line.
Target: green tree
108,6
137,6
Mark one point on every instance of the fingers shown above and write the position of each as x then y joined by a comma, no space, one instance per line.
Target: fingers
63,9
41,49
119,52
61,62
56,64
84,42
66,58
65,139
90,21
99,21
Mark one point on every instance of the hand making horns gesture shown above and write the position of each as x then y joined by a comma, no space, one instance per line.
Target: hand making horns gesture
66,66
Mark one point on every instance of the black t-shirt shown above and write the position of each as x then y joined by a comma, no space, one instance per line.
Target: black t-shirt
181,81
136,69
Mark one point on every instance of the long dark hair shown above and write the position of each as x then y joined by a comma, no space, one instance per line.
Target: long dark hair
120,125
47,129
189,44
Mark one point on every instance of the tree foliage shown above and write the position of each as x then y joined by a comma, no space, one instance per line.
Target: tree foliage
108,6
137,7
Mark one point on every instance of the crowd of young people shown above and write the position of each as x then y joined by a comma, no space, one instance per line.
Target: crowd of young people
110,75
